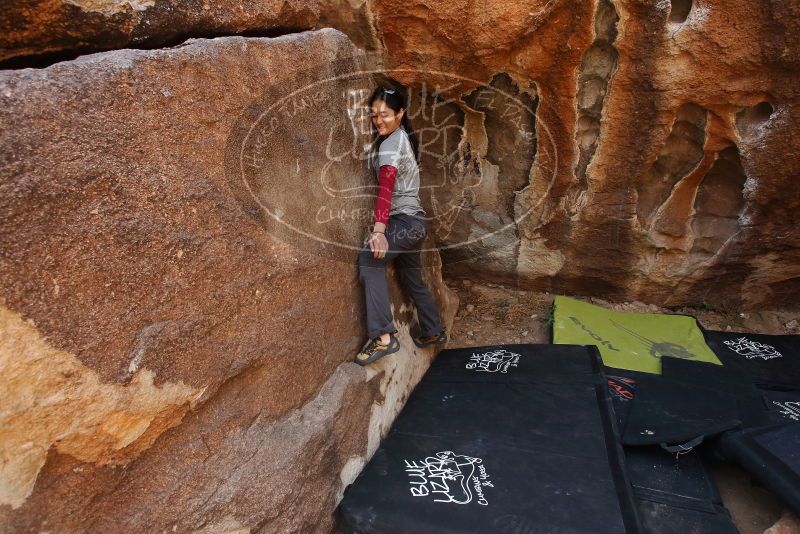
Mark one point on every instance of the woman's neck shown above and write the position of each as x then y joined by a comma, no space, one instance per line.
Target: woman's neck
399,127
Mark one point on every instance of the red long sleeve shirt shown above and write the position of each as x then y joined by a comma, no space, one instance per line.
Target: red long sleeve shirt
383,204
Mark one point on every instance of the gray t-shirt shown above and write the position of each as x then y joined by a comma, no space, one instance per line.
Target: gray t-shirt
396,150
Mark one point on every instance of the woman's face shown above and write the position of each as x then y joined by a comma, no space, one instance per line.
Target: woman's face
384,118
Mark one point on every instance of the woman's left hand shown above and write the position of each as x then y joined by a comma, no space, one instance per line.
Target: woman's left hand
379,245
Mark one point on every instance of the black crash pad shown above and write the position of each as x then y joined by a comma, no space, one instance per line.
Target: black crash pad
671,412
676,480
771,454
521,363
622,389
509,438
773,362
783,406
730,380
673,492
659,518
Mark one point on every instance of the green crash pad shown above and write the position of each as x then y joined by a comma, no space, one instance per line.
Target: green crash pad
634,341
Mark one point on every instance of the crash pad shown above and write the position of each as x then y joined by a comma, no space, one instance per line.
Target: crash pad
771,454
504,438
722,378
660,518
783,406
673,492
622,390
772,361
677,413
677,480
626,340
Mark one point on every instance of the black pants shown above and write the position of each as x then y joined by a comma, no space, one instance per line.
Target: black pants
405,234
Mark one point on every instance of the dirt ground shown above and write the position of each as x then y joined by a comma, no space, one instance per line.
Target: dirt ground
493,314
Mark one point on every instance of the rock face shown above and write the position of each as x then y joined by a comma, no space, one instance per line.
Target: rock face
648,153
167,358
662,152
33,32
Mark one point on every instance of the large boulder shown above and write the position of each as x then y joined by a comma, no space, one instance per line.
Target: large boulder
33,32
173,357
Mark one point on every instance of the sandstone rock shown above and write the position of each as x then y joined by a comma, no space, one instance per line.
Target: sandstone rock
68,409
663,178
788,524
214,390
31,31
642,150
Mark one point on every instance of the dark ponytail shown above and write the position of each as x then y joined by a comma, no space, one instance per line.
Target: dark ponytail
394,99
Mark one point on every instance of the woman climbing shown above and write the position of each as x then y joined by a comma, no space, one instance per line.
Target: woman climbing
397,233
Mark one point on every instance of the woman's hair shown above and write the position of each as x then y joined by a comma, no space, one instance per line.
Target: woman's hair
394,100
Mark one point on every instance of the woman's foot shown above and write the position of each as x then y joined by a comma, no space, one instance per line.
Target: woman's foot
436,339
374,350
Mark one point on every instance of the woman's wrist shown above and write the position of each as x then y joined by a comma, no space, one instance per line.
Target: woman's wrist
379,228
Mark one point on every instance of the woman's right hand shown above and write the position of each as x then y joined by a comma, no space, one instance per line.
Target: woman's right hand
379,245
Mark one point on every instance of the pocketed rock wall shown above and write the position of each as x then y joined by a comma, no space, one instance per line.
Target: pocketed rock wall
664,151
166,362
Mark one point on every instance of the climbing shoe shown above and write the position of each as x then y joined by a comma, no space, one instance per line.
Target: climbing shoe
375,350
436,339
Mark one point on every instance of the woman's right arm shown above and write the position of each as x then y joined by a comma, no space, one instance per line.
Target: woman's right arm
383,204
388,162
